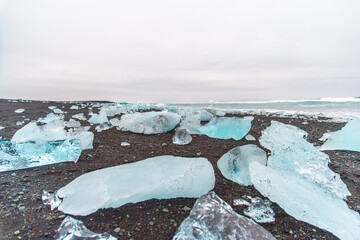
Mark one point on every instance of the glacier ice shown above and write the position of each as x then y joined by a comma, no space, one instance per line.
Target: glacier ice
260,210
79,116
73,229
191,123
20,110
249,138
125,144
15,156
102,127
115,122
85,139
211,218
234,165
348,138
72,123
50,199
306,201
99,118
160,177
227,127
49,118
291,152
74,107
149,122
181,137
239,202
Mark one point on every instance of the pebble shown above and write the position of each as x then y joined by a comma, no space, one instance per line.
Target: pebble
13,174
186,208
164,145
17,232
117,230
62,216
151,223
165,210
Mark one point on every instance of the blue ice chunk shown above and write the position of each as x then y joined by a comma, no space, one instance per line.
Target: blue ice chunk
227,127
348,138
15,156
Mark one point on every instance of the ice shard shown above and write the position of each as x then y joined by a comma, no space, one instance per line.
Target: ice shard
181,137
348,138
14,156
292,153
160,177
149,122
227,127
260,210
306,201
211,218
234,165
73,229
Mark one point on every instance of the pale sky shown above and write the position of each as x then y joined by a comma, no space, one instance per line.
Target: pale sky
179,50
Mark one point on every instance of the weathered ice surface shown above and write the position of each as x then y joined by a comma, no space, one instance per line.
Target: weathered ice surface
160,177
72,229
348,138
181,137
306,201
212,218
290,152
227,127
234,165
260,210
149,122
14,156
50,199
191,122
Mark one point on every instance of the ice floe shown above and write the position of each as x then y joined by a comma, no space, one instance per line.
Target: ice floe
149,122
227,127
212,218
181,137
348,138
73,229
160,177
234,165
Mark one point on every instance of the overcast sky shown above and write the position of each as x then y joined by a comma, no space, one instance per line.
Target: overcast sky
179,51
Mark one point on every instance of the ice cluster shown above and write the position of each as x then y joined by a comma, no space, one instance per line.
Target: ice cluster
234,165
348,138
149,122
213,219
160,177
227,127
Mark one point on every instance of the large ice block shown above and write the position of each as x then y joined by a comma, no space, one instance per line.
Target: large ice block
99,118
227,127
348,138
306,201
149,122
160,177
213,219
292,153
234,165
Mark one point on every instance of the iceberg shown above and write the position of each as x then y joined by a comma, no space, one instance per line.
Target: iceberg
234,165
73,229
181,137
20,110
348,138
227,127
211,218
260,210
160,177
306,201
149,122
292,153
14,156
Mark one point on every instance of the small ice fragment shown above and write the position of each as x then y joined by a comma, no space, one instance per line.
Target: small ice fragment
102,127
348,138
212,218
234,165
99,118
115,122
240,202
85,139
50,199
72,123
20,110
149,122
19,123
72,229
305,122
250,138
79,116
260,210
74,107
125,144
227,127
160,177
181,137
1,127
49,118
191,123
220,113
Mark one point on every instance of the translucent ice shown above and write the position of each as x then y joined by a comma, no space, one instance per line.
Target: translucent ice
102,127
227,127
260,210
348,138
205,116
72,229
234,165
250,138
191,123
181,137
306,201
238,202
50,117
292,153
50,199
85,140
15,156
74,107
211,218
99,118
160,177
20,110
72,123
149,122
79,116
